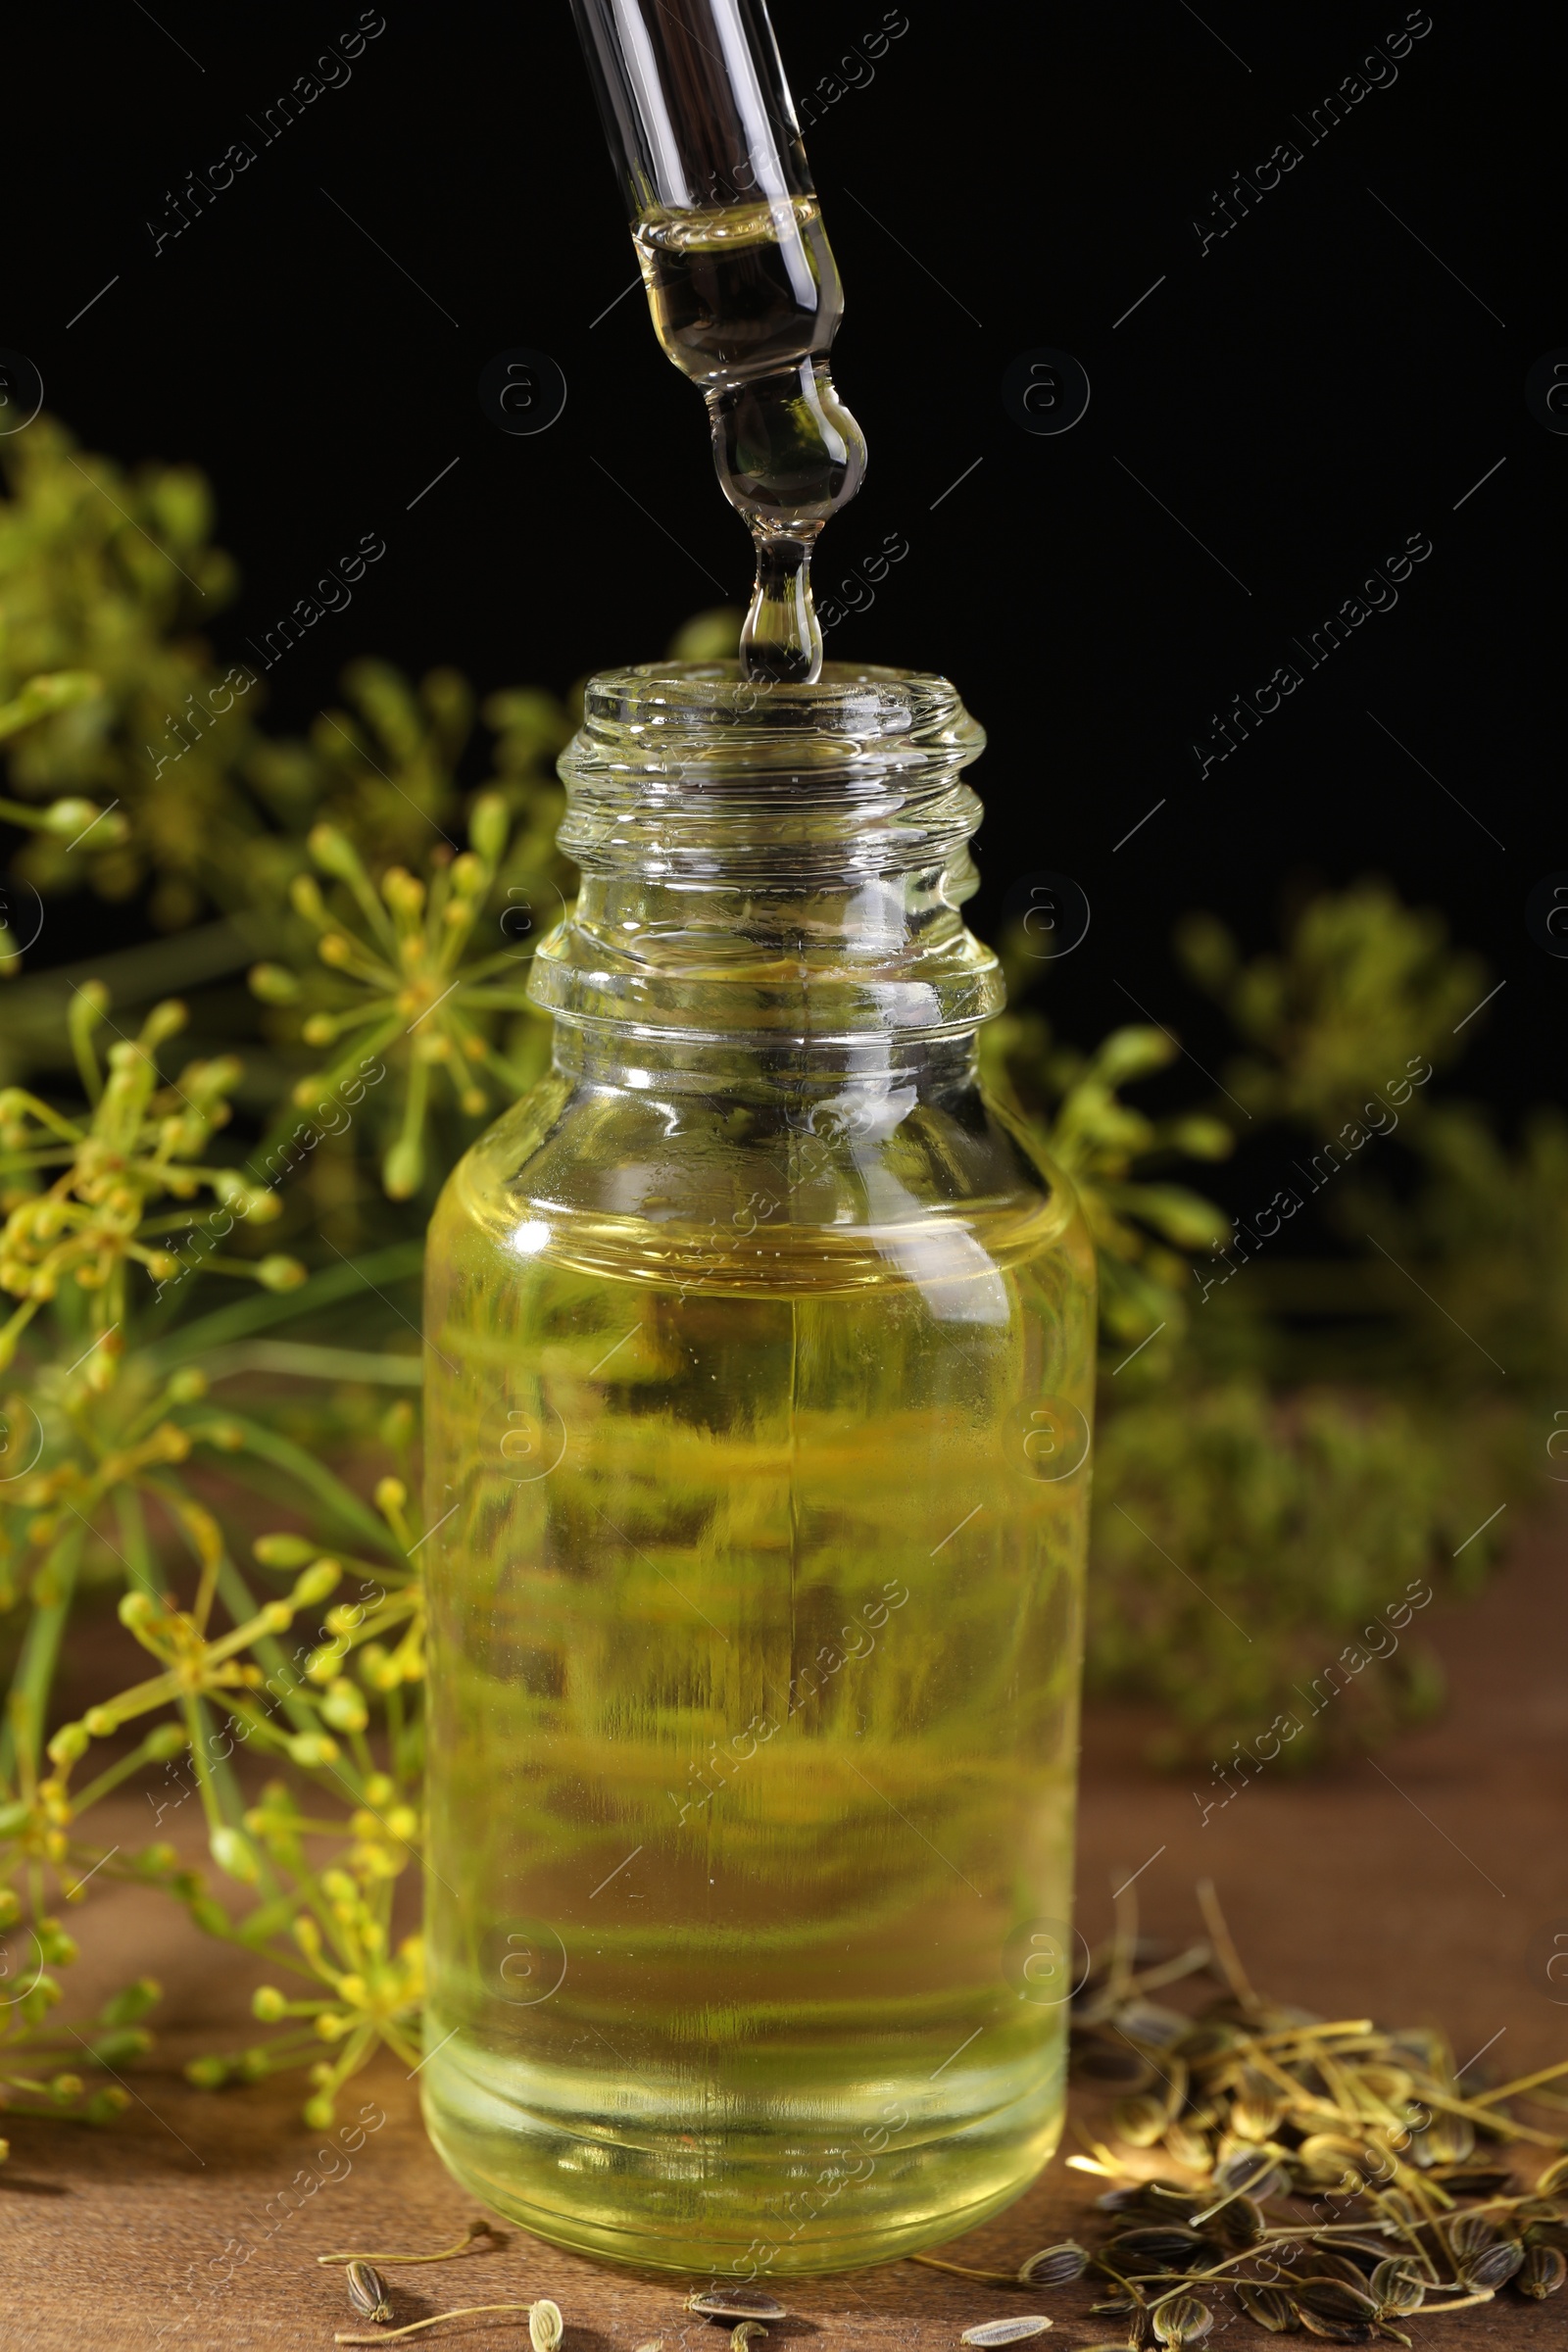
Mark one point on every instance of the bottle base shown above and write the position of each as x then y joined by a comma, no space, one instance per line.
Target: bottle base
635,2249
751,2215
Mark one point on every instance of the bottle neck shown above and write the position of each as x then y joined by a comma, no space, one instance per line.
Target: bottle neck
806,1077
772,878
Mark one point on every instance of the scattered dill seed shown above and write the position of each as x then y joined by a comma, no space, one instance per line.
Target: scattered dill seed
734,2303
1259,2105
1053,2266
1397,2290
1006,2332
1468,2235
1140,2120
1495,2264
1267,2307
1182,2320
1541,2272
367,2291
545,2327
1335,2299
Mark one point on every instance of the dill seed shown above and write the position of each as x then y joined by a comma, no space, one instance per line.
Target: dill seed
1055,2265
1140,2121
1170,2249
1541,2272
1239,2223
1251,2172
1496,2266
1006,2332
1446,2139
1330,2265
366,2291
1469,2234
1267,2307
1394,2289
1266,2102
1257,2107
545,2325
1186,2147
746,2331
1334,2301
1339,2331
735,2303
1182,2319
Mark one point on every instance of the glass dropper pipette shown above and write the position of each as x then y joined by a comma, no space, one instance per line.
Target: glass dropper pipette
740,280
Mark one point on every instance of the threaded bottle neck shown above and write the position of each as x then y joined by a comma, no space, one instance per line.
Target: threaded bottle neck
770,865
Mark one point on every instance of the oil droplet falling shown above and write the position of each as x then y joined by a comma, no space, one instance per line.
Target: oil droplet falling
745,300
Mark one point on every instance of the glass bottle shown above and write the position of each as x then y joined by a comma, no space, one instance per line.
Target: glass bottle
759,1352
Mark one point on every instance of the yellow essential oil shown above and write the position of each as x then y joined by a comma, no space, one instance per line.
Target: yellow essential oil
744,300
759,1359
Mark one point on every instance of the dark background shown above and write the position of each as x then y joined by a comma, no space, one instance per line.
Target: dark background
1323,382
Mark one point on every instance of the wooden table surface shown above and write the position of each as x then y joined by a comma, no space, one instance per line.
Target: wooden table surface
1418,1889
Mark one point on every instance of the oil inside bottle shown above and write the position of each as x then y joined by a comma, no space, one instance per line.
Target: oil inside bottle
755,1672
746,299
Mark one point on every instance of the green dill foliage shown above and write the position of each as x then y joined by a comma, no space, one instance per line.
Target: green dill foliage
110,574
81,1189
1364,984
405,982
208,1270
105,1436
1329,1429
1145,1224
1298,1520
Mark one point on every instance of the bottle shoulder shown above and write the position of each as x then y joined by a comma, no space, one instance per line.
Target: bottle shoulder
776,1188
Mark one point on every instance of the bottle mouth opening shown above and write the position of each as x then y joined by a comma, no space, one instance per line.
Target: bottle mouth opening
855,703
